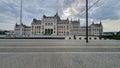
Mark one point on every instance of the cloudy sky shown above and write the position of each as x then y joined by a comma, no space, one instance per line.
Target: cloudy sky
108,11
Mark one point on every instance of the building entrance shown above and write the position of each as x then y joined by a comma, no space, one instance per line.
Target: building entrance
48,31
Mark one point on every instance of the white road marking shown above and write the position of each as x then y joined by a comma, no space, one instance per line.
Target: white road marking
33,53
59,46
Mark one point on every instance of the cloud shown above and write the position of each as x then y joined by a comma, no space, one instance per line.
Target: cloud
7,22
111,25
106,10
73,9
69,12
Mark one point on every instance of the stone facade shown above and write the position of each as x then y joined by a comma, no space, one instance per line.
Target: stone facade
54,26
26,30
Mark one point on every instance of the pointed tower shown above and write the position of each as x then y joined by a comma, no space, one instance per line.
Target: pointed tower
101,29
57,16
79,21
16,24
71,19
100,22
93,23
57,13
67,19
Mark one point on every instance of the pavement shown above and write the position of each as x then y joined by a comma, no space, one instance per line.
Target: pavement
36,53
42,42
38,45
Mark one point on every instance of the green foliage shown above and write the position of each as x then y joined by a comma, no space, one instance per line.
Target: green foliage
117,37
2,33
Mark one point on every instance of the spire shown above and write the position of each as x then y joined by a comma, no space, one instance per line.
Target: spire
71,19
16,24
44,16
78,20
34,20
56,14
100,22
93,23
67,19
21,24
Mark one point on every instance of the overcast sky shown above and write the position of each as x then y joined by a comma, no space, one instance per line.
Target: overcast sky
108,11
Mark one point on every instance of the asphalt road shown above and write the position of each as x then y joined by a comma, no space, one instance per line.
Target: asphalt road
56,42
36,45
35,53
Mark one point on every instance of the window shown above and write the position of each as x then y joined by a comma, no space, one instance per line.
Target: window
51,24
69,37
32,26
100,38
90,38
95,38
46,24
54,27
42,27
67,33
67,27
38,27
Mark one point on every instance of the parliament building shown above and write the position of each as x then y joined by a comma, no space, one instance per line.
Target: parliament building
55,26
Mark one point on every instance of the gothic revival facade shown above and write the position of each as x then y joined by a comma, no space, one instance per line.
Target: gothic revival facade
55,26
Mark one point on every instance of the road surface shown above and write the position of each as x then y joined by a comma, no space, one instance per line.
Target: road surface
59,54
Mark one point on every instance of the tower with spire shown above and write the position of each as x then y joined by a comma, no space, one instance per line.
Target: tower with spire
54,26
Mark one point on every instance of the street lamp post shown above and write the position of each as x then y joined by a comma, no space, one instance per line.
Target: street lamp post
86,21
21,19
